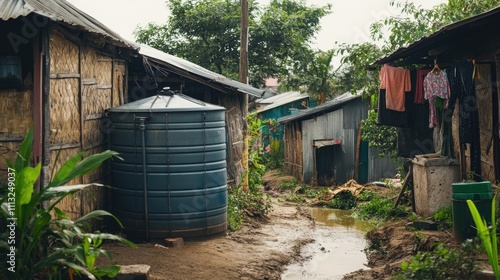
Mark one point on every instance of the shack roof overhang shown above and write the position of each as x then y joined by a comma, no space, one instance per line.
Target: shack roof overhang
473,37
195,72
60,11
297,97
329,106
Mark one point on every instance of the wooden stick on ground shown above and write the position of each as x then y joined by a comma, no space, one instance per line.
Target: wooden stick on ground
408,177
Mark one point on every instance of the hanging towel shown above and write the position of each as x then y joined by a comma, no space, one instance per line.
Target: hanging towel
396,81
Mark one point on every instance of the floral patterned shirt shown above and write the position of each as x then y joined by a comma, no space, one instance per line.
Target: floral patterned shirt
436,85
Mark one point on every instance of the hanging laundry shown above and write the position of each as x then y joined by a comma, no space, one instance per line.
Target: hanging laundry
463,89
419,87
437,91
395,81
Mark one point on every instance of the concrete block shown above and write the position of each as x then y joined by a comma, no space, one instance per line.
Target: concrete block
432,179
133,272
174,242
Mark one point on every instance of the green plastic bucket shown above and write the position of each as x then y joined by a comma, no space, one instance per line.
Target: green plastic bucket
480,193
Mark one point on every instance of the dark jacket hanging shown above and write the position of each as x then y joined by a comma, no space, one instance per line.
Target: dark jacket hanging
463,89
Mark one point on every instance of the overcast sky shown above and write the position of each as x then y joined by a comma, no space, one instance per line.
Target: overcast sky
348,23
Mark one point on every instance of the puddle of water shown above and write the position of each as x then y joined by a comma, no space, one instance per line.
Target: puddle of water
337,250
342,218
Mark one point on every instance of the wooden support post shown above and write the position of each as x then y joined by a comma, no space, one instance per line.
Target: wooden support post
407,179
358,146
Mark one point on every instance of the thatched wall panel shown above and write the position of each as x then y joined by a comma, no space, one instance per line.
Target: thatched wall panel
293,150
64,111
64,54
94,132
7,152
16,114
118,83
103,69
234,122
95,100
89,59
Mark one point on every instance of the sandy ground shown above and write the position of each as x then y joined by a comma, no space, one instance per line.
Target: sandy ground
263,249
258,251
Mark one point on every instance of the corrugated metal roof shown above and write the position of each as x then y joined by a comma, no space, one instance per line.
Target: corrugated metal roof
288,97
278,97
303,114
61,11
187,68
454,29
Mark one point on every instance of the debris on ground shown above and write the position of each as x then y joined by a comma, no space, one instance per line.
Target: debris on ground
324,198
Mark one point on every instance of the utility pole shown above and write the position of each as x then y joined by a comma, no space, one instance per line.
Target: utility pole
243,78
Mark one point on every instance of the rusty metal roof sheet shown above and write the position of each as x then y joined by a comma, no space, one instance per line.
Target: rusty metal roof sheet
449,34
61,11
190,70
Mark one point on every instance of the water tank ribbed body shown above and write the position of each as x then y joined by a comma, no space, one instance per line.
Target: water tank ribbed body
172,181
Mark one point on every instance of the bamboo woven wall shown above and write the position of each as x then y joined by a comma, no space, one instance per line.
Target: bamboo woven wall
15,112
118,83
64,111
16,115
7,152
234,122
78,101
293,150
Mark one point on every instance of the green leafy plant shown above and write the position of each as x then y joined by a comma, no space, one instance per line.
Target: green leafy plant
344,200
441,263
47,244
444,217
379,208
382,137
288,184
275,154
487,235
242,203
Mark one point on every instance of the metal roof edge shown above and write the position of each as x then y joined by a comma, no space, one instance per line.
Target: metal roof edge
336,102
195,69
281,103
449,27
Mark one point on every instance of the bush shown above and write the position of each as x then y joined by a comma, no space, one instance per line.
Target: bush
379,208
344,200
241,203
444,217
442,263
47,244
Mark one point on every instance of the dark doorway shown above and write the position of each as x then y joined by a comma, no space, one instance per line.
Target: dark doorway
326,164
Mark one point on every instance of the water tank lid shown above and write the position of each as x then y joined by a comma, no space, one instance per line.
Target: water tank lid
164,103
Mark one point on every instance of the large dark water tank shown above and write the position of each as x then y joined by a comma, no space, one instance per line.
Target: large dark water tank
173,180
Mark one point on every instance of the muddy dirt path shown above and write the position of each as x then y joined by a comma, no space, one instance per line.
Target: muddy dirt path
258,251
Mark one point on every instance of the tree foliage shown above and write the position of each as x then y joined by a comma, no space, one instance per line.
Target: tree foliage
315,76
207,32
412,23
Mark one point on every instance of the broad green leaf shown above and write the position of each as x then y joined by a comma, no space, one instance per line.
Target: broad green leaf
65,170
88,164
25,183
24,153
109,271
95,214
